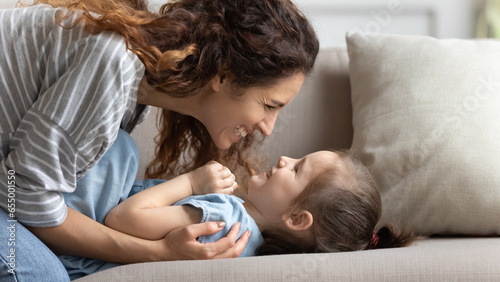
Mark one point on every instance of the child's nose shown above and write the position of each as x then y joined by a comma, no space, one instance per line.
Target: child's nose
281,163
284,161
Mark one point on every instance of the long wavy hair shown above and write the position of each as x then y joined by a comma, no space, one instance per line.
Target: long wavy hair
346,208
189,42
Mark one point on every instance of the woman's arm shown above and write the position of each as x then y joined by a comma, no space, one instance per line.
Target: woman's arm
79,235
149,214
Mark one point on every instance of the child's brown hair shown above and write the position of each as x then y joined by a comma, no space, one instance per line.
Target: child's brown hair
346,208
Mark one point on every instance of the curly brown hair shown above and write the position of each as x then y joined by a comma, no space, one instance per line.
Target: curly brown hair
188,43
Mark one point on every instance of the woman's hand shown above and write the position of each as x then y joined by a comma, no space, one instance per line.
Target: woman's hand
212,178
181,244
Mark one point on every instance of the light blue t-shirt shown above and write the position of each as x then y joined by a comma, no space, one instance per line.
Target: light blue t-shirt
230,209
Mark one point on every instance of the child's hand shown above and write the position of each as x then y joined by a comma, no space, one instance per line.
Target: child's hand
212,178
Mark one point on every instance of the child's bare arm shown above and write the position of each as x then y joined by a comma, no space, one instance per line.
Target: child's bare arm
149,214
152,223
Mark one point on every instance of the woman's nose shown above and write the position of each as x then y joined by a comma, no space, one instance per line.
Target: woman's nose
266,125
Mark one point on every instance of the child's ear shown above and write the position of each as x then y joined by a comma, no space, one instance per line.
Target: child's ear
298,221
218,82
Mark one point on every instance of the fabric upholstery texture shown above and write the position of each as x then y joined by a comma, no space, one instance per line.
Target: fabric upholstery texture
426,118
457,259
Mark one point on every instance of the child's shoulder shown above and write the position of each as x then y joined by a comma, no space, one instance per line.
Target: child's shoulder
215,200
218,207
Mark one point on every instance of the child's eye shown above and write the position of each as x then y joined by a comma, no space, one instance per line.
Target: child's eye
296,168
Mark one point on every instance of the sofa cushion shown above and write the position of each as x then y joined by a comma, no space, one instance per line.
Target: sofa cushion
426,116
436,259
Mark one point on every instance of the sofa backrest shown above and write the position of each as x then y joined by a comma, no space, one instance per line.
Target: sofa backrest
318,118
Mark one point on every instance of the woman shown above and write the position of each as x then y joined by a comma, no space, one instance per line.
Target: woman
70,80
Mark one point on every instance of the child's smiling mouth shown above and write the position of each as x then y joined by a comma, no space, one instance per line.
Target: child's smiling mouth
269,173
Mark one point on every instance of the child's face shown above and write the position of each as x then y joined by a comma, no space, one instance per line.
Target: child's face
272,193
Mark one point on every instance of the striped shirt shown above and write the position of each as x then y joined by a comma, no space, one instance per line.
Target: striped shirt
64,95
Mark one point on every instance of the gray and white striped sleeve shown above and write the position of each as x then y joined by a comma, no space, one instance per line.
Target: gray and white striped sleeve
86,84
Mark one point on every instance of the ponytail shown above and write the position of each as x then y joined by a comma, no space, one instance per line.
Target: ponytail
390,237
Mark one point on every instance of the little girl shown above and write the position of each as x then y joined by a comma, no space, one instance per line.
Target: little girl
325,202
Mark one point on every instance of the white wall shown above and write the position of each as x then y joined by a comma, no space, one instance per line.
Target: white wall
5,4
332,18
437,18
441,18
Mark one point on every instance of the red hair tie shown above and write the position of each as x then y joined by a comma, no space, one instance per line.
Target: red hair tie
373,241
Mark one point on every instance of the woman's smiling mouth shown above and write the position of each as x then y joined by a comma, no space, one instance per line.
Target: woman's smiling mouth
240,131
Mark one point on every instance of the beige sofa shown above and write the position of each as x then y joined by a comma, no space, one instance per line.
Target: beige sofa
320,118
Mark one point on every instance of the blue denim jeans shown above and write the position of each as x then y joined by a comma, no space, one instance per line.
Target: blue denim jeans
31,259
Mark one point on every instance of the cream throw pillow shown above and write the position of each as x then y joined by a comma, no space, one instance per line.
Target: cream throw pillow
426,117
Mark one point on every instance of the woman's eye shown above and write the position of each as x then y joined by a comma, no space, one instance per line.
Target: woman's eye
269,107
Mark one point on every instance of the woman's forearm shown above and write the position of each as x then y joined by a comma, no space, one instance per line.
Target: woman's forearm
79,235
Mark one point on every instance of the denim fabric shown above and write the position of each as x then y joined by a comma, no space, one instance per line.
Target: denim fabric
32,260
106,185
230,209
140,185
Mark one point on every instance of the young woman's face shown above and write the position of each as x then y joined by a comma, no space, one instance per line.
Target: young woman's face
228,119
272,193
